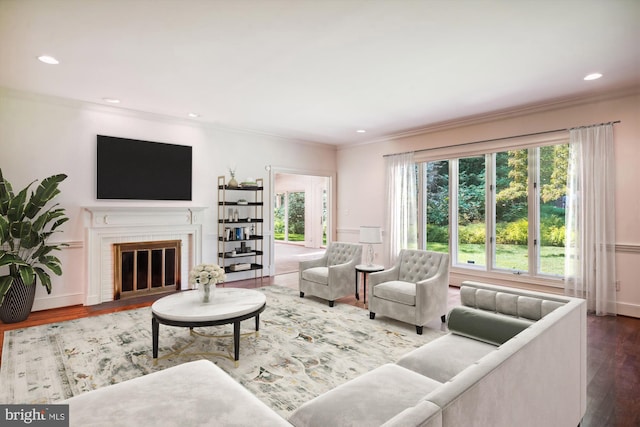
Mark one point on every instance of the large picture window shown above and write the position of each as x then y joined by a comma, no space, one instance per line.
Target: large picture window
501,211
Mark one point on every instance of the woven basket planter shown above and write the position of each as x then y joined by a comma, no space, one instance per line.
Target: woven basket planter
18,302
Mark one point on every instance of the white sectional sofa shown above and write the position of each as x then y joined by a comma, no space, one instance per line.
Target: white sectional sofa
512,358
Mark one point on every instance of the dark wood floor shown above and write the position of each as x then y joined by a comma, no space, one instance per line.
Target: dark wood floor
613,351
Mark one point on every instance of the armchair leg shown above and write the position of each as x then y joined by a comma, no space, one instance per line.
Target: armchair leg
419,330
301,294
443,318
372,315
331,303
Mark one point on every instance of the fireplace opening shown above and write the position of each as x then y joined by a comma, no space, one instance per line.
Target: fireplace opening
146,267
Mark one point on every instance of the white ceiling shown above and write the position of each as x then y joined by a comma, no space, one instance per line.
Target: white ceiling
319,70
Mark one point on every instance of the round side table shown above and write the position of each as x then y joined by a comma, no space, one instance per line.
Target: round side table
365,269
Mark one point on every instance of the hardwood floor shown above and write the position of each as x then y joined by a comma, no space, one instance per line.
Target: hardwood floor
613,350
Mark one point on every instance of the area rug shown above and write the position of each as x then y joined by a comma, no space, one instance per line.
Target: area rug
303,349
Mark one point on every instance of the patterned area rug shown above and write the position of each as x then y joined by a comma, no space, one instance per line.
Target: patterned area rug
303,349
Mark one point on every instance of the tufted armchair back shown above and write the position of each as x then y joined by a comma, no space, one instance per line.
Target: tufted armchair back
341,253
417,265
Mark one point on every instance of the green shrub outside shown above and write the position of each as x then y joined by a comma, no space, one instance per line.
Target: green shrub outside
472,233
507,233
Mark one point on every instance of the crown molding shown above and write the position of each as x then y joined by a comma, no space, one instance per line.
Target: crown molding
151,116
550,105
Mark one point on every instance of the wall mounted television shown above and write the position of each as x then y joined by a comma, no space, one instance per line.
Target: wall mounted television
142,170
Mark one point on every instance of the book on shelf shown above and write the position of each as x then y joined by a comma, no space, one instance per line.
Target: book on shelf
238,254
240,267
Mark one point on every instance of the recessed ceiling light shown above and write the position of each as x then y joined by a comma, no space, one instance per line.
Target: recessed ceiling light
111,100
593,76
361,131
48,59
194,115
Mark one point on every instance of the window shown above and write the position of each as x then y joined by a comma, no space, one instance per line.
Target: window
501,211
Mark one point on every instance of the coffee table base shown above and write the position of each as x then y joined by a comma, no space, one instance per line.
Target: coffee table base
181,351
157,320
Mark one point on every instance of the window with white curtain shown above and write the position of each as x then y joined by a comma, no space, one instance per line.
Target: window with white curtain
501,211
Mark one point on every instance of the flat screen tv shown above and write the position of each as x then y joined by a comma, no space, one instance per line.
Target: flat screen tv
142,170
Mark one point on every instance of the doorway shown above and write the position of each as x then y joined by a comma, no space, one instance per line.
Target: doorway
301,218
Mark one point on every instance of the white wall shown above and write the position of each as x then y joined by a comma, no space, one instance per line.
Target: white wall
360,186
41,136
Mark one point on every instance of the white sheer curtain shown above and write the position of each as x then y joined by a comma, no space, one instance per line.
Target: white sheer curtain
402,196
590,240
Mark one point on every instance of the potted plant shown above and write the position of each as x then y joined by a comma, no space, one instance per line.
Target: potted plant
26,224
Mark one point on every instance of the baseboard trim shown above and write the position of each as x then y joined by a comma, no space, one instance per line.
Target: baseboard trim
58,301
626,309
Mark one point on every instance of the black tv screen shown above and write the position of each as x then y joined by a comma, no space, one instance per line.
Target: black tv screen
142,170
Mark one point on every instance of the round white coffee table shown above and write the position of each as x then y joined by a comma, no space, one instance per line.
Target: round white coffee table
228,305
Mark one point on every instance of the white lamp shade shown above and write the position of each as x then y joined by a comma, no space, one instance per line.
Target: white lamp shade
370,234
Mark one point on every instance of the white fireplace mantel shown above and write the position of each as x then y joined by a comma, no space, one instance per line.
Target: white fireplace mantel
106,225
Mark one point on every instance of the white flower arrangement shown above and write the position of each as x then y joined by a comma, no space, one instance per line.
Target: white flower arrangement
206,274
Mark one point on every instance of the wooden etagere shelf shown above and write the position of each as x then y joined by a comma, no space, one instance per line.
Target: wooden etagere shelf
240,225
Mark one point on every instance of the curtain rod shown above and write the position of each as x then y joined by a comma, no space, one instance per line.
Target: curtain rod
506,137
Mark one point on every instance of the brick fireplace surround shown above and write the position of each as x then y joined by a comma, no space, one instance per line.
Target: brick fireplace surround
105,226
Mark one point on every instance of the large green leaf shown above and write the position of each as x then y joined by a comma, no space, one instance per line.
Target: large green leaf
6,194
4,230
46,191
17,205
27,274
7,258
44,278
5,284
52,263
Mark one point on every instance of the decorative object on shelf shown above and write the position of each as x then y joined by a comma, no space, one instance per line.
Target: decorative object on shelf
232,182
242,202
371,235
236,216
26,224
206,277
249,183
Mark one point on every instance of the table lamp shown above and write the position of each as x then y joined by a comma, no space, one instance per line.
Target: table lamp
370,235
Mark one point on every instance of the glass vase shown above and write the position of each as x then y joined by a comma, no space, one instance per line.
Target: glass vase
206,292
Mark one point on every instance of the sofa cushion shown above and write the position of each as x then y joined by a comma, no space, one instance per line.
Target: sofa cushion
317,275
443,358
191,394
396,291
484,326
512,304
368,400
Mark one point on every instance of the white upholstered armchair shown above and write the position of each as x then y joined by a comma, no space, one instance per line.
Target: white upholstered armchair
414,290
332,276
